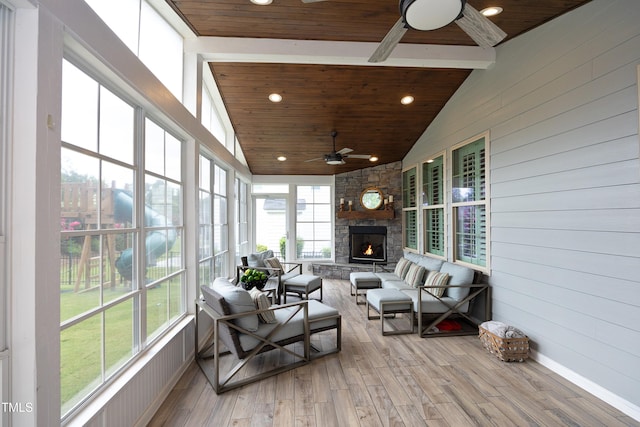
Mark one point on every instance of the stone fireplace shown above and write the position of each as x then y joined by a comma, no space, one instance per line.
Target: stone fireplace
367,244
349,185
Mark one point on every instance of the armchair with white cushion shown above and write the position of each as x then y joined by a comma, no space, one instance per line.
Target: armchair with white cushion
287,277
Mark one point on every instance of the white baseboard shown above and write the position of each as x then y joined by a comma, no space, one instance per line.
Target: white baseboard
598,391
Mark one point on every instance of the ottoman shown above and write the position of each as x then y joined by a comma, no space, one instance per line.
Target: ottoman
302,284
390,301
363,280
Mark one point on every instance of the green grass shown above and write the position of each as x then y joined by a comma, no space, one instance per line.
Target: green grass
81,345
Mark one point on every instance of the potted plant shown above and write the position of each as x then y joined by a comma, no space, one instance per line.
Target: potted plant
253,278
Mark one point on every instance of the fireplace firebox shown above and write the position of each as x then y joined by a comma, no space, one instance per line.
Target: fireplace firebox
367,244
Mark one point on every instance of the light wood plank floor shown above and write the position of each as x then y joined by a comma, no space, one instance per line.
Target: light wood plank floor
397,380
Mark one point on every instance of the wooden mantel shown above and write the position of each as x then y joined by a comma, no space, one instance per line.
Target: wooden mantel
373,214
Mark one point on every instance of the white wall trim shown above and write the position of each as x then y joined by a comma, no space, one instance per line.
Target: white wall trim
589,386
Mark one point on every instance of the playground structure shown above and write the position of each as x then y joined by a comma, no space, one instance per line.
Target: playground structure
83,208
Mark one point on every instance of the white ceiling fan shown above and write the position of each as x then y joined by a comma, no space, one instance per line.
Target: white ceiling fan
337,157
425,15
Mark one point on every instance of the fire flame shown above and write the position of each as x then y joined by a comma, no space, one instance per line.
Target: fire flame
369,251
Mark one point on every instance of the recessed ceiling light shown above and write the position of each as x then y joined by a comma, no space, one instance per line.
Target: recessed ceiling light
261,2
406,100
275,97
281,158
491,11
373,159
430,161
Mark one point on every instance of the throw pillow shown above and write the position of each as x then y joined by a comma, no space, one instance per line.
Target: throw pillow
261,301
402,267
273,264
415,275
435,278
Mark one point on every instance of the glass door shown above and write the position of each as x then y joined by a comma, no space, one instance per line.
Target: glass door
270,225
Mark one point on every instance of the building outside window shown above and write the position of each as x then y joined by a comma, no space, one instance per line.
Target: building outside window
121,265
410,208
469,202
433,206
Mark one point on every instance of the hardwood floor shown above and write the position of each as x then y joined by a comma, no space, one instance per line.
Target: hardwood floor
399,380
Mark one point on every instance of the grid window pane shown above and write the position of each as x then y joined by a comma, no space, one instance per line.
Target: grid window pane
410,230
80,101
80,360
116,127
434,231
471,234
409,186
119,335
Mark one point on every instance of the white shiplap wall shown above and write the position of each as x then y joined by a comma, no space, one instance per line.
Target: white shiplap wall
561,104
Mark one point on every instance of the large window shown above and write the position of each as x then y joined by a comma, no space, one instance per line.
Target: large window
410,208
313,222
211,119
242,219
433,206
121,266
469,202
220,222
163,226
148,35
213,235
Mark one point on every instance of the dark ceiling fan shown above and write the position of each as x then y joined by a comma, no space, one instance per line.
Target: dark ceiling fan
425,15
337,157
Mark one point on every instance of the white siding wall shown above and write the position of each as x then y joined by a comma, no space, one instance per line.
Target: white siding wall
561,104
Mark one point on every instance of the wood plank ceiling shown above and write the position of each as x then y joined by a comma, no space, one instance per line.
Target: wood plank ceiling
360,102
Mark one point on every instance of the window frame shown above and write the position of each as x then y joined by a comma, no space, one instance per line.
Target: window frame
442,207
454,206
136,296
329,222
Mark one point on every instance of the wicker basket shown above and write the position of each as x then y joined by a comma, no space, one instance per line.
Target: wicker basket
505,349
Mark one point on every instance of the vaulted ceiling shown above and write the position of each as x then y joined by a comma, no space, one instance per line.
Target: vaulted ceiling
315,56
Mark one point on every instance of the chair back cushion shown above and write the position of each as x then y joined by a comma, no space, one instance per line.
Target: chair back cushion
459,276
435,278
257,259
239,301
402,267
228,336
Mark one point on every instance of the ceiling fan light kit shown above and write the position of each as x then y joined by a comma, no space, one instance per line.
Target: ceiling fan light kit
425,15
336,158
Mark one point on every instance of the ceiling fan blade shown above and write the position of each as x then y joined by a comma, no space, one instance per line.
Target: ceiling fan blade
480,28
358,156
313,160
389,42
345,151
